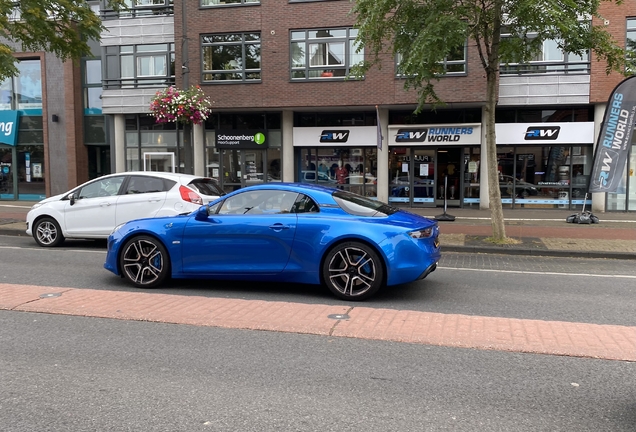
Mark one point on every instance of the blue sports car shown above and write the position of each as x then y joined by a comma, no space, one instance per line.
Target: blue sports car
284,232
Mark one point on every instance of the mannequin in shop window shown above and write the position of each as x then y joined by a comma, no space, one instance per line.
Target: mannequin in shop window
323,168
341,174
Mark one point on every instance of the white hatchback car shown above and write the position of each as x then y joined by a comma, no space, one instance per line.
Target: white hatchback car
93,209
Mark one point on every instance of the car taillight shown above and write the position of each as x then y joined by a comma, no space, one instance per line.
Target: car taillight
189,195
423,233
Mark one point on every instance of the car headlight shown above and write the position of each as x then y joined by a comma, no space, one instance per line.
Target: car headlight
423,233
36,205
117,228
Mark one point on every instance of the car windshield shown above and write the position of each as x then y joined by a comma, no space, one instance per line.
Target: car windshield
361,206
206,186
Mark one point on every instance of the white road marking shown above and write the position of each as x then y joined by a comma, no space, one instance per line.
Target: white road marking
52,249
539,273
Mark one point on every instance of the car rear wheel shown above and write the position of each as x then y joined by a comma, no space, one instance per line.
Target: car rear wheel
353,271
144,262
47,232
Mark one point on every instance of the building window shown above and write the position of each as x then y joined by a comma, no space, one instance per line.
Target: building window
326,53
132,66
24,91
453,64
137,8
548,59
92,86
630,43
206,3
231,57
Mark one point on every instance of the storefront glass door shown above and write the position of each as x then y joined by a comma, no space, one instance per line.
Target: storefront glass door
6,174
449,168
412,176
242,168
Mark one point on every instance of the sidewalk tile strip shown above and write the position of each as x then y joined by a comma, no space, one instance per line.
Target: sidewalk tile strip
610,342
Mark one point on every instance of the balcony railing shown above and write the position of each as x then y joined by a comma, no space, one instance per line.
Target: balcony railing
542,68
145,82
138,11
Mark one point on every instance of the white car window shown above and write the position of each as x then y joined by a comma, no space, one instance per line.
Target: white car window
143,184
101,188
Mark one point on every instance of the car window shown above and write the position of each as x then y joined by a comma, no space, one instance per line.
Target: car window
361,206
101,188
259,202
206,186
304,204
145,184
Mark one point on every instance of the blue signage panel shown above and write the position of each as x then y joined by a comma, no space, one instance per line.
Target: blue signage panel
8,127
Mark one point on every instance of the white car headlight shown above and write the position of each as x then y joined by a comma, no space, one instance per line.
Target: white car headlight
36,205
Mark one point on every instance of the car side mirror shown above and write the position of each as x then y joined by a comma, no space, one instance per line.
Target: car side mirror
202,214
71,198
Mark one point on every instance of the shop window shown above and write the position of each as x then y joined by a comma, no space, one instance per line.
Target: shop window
324,53
231,57
352,169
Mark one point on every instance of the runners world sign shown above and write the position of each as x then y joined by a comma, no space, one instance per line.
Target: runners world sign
615,137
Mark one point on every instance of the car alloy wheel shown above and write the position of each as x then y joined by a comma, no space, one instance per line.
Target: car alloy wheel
144,262
353,271
47,232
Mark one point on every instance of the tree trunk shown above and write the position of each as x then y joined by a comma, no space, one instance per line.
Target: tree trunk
492,72
494,193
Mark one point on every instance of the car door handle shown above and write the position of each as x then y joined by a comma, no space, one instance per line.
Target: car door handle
278,227
104,204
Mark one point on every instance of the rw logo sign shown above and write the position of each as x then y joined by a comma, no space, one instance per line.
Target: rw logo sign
411,135
334,136
542,133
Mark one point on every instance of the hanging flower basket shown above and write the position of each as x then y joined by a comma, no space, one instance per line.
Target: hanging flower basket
183,106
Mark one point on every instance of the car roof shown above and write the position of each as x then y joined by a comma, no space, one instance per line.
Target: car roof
164,174
316,191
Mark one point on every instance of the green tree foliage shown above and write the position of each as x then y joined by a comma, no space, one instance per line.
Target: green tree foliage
62,27
425,32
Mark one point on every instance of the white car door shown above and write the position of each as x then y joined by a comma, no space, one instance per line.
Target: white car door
92,214
142,197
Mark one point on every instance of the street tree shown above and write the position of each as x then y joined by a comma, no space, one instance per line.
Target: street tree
62,27
422,33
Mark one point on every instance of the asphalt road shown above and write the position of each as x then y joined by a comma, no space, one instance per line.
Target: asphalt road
544,288
63,373
71,373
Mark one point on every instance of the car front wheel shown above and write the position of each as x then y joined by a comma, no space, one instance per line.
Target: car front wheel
353,271
144,262
47,232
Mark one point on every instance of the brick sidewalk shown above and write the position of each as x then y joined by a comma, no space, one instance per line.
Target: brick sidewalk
611,342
